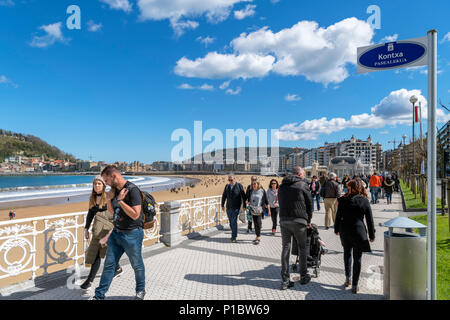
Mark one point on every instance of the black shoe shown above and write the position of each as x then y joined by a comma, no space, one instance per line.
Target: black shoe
305,280
118,272
355,289
347,282
233,240
86,285
286,285
140,295
326,228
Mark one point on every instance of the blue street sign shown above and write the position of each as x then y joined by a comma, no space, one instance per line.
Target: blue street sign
392,55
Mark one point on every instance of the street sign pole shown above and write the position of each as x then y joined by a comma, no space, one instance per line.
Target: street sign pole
431,162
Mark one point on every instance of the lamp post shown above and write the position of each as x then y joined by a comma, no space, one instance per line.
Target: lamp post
413,100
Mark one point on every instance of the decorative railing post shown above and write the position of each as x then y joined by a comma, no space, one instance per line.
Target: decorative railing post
170,232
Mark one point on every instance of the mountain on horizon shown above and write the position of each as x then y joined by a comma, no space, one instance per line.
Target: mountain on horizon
12,143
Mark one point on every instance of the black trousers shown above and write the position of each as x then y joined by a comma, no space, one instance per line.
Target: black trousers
258,224
274,216
95,266
350,249
250,222
297,230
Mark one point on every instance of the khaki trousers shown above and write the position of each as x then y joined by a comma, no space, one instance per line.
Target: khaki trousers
330,210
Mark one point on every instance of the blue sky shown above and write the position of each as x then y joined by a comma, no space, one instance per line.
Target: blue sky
138,70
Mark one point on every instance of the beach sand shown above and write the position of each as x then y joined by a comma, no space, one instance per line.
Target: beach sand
210,185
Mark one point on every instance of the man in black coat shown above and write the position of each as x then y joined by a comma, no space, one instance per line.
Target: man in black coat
294,198
234,195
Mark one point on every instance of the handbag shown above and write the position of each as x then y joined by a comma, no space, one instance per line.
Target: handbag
256,211
242,215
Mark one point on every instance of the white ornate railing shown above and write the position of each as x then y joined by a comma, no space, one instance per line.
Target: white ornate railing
201,213
42,245
33,247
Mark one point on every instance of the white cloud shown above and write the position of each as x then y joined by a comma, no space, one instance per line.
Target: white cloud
391,110
6,3
446,38
234,92
123,5
204,86
319,54
384,132
180,26
292,97
392,38
248,11
5,81
219,66
53,34
206,40
94,27
225,85
177,11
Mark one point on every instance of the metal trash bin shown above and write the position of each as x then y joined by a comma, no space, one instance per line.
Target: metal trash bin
405,261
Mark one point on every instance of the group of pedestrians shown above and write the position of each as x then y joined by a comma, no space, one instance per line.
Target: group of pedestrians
383,186
293,202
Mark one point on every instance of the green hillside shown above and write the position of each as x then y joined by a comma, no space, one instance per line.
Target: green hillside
12,143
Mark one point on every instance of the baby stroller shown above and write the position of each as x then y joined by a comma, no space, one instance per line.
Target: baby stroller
315,247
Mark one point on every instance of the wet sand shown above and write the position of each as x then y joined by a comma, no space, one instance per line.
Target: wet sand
210,185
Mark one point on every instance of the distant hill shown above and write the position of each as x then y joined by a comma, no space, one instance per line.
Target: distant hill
282,151
12,143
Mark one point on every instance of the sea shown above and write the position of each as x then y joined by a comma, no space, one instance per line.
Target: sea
31,190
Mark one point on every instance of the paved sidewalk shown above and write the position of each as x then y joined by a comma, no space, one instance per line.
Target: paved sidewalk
210,267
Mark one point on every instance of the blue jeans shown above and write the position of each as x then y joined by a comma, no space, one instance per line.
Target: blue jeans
119,243
374,193
389,197
232,219
317,196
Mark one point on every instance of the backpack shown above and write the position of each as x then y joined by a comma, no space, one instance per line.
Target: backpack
148,210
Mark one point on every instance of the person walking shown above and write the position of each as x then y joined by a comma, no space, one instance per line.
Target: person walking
344,182
12,214
388,186
257,202
314,186
234,196
350,227
103,223
295,203
247,199
124,200
330,193
374,184
272,197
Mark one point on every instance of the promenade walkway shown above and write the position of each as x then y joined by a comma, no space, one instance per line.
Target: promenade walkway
211,267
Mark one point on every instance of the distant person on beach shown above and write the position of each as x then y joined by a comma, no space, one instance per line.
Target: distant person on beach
12,214
294,197
234,196
103,223
124,200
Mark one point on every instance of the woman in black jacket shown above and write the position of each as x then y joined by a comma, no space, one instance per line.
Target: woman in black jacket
352,208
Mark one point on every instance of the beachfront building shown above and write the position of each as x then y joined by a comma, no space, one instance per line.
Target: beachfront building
315,170
343,165
360,149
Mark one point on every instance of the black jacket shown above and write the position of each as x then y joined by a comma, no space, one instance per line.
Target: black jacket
350,221
317,187
235,197
294,199
388,187
330,189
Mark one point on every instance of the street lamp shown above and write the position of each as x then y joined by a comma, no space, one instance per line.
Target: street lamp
413,100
